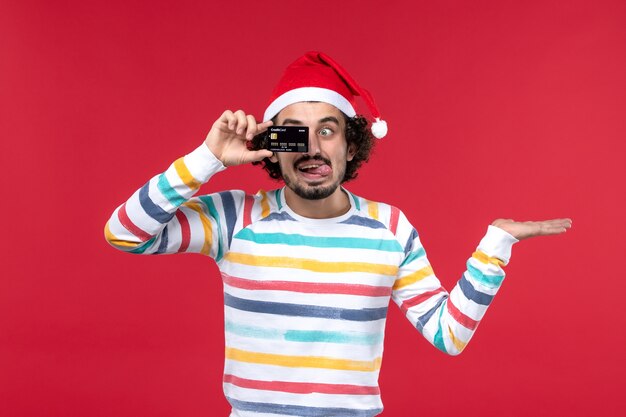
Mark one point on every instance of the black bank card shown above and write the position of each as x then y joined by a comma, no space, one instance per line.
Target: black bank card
288,139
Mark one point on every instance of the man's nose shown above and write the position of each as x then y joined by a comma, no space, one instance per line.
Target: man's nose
314,143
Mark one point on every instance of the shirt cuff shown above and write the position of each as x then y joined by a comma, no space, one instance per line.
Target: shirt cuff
497,244
202,164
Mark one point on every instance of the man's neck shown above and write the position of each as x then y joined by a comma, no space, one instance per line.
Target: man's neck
335,205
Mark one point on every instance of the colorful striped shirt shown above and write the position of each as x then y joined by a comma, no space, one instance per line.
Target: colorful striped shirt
305,300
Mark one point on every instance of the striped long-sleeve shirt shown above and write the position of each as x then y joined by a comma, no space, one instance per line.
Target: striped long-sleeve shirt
305,300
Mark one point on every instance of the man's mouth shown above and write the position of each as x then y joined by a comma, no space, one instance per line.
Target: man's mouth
314,169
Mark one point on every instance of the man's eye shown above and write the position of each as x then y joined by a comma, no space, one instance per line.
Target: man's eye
325,131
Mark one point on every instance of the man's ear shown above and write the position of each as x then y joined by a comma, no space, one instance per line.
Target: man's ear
351,152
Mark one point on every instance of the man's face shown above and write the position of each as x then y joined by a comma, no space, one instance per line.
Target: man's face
318,173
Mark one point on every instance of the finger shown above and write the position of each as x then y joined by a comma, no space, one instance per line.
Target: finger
225,116
242,122
554,231
565,223
554,228
228,118
254,156
262,127
252,127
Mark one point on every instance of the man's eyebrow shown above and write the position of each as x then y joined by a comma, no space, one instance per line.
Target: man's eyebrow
291,122
329,119
326,119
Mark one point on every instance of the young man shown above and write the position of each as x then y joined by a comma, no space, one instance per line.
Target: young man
309,269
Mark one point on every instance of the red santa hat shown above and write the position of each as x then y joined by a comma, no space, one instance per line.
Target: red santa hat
316,77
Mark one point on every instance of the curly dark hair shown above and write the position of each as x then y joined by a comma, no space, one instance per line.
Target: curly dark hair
357,133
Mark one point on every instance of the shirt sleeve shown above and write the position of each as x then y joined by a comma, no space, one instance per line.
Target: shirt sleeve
449,320
162,217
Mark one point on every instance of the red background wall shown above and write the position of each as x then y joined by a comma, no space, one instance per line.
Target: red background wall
495,108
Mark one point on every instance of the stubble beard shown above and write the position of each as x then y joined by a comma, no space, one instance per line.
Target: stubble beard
313,191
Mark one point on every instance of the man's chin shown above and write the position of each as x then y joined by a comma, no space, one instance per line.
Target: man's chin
313,191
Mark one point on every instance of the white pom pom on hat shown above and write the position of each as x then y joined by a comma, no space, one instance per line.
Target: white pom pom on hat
379,128
316,77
